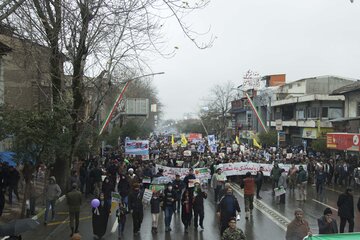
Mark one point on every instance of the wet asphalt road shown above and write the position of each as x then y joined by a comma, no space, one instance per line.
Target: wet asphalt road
269,219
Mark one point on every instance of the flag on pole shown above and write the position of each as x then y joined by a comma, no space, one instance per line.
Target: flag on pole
237,140
116,103
172,139
256,112
256,144
183,140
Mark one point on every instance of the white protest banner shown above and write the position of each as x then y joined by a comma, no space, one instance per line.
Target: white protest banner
241,168
115,197
147,195
200,173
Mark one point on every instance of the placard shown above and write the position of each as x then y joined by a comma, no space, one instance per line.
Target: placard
115,197
147,195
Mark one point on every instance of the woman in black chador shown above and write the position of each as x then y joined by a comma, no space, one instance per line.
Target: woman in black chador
100,216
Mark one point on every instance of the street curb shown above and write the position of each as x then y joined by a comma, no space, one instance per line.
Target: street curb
42,211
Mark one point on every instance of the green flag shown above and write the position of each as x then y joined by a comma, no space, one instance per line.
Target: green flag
342,236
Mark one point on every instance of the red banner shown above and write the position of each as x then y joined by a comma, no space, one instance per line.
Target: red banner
194,136
343,141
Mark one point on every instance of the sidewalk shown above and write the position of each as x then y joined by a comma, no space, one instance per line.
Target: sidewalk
13,211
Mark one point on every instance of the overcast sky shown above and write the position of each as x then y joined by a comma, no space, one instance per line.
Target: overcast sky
301,38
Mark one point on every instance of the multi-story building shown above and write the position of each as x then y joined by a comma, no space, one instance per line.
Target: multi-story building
350,123
303,109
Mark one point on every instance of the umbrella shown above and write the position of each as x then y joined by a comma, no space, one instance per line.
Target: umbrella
18,226
161,180
8,157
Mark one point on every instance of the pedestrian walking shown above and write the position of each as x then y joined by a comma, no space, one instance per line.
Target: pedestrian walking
218,184
136,207
2,200
178,186
282,184
227,208
169,205
320,177
186,209
301,180
298,228
124,189
248,184
345,205
327,224
100,217
83,176
13,181
188,178
232,232
275,175
52,193
292,177
74,200
259,179
121,218
198,206
96,179
155,211
107,188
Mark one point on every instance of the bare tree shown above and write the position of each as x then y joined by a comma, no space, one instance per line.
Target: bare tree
7,7
217,107
100,37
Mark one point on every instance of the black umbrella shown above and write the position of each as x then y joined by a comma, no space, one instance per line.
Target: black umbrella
18,226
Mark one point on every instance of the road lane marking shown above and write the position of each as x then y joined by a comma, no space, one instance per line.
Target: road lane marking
116,224
67,221
325,205
265,209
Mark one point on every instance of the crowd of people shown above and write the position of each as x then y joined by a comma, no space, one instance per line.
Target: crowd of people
99,177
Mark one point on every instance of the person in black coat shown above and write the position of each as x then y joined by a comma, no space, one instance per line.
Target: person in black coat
136,206
155,211
259,179
107,188
178,186
13,180
169,206
187,179
345,205
100,217
124,189
186,208
327,224
227,209
198,206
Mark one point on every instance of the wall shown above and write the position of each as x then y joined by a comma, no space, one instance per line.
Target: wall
351,101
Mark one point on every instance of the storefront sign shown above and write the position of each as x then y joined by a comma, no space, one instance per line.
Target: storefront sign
343,141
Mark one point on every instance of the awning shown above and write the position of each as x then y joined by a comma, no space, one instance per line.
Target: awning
344,119
8,158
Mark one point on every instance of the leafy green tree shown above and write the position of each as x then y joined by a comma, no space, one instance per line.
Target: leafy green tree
36,139
319,145
268,138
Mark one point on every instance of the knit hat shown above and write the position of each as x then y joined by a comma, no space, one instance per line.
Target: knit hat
327,211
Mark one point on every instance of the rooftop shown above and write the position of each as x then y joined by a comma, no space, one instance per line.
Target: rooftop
348,88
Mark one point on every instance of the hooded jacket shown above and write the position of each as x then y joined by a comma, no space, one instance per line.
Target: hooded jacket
52,190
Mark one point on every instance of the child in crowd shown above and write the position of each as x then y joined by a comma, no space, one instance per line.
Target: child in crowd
155,210
121,217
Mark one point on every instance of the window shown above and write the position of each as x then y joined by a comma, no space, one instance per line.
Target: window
358,109
312,112
335,113
324,112
290,86
300,114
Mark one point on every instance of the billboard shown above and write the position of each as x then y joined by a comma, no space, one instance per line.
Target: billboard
137,107
343,141
137,147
